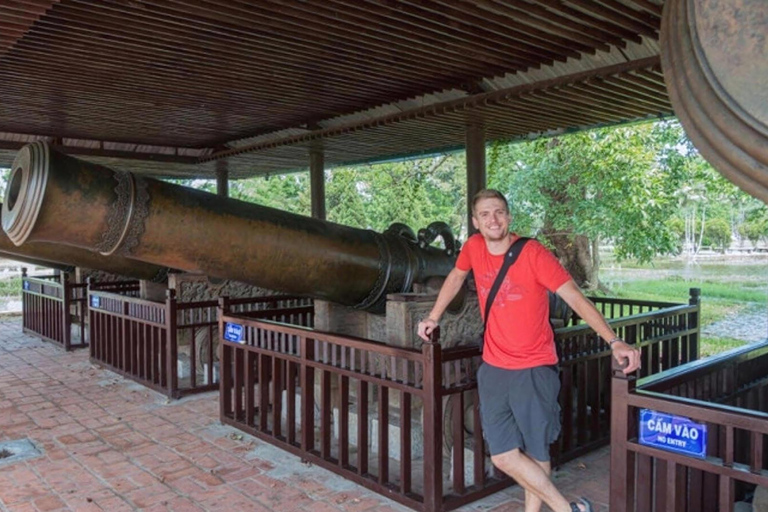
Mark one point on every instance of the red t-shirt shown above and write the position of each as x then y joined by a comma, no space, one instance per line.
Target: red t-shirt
518,333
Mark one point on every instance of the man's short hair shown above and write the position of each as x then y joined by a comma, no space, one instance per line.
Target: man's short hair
489,193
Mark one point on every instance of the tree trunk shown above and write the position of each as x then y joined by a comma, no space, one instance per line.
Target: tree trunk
575,253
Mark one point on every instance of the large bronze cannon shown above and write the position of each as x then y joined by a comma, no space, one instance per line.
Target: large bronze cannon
55,198
65,257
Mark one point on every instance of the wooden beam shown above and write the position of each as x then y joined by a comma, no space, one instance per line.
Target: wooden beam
222,178
109,153
476,176
317,181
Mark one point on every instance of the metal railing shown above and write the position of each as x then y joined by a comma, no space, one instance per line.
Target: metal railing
726,393
171,346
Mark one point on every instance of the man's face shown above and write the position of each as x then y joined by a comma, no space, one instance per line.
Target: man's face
491,219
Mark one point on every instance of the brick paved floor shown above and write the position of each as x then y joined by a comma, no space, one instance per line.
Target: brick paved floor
110,444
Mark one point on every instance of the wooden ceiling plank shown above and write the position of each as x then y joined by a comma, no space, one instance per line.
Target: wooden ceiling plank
562,27
649,6
622,84
616,17
299,29
513,28
537,45
643,81
464,104
609,103
651,21
590,20
24,15
619,94
579,26
278,52
256,84
112,50
415,17
464,43
587,107
161,89
534,108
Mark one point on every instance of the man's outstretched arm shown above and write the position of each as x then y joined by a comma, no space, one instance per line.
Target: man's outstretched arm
448,291
571,293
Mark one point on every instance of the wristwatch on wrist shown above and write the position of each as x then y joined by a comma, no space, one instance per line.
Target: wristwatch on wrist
614,340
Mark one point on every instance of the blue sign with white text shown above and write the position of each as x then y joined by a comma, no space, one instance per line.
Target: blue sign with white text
95,301
673,433
26,285
233,332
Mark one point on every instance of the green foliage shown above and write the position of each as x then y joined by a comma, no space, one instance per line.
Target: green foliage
415,192
755,229
717,233
10,287
604,183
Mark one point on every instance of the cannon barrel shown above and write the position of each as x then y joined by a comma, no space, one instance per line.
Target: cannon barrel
65,257
52,197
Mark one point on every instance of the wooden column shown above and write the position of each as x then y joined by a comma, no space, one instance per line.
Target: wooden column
476,178
222,178
317,181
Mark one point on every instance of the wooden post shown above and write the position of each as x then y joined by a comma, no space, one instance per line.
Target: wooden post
433,414
66,335
225,362
307,379
622,474
476,176
222,178
694,320
317,181
172,350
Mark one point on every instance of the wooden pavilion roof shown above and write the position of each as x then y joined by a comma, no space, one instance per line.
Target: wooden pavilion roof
168,87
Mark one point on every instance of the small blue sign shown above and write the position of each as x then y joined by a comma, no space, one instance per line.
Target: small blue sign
95,301
673,433
25,285
233,332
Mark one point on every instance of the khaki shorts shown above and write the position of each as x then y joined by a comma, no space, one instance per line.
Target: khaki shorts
519,409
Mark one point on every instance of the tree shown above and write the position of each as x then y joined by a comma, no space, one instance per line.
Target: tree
717,233
574,190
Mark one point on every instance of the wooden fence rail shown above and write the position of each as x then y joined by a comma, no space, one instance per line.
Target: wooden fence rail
171,346
404,422
727,393
52,305
667,335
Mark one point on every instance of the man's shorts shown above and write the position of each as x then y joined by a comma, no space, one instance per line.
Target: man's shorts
519,409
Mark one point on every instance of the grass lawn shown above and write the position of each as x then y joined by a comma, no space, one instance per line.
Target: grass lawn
719,299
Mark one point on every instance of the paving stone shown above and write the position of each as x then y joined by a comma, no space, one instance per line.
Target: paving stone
109,444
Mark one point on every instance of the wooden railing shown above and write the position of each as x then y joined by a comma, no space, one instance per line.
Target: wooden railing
306,391
45,305
667,335
52,306
729,394
171,346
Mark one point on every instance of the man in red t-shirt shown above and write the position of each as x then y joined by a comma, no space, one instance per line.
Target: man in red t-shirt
519,383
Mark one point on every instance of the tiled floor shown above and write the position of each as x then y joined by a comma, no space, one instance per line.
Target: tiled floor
110,444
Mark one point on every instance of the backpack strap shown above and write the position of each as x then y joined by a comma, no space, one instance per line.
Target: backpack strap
509,259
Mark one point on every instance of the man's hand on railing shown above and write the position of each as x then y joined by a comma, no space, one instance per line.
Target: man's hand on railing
626,355
425,328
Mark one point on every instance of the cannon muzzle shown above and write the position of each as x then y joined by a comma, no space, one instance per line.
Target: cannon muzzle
55,198
65,258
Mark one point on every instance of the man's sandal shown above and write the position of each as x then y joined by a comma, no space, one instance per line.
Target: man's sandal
585,503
